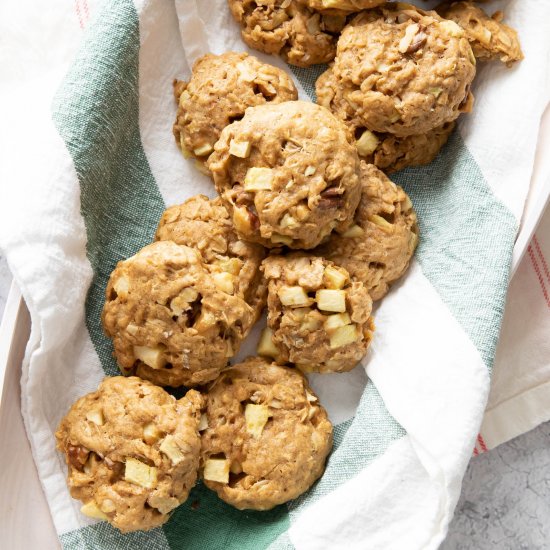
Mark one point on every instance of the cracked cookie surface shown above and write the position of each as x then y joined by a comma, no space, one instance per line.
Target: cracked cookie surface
267,438
318,318
404,71
377,249
288,174
219,91
301,36
132,451
173,319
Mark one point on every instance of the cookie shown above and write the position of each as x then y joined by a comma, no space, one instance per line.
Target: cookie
318,318
219,91
343,5
377,249
132,452
386,151
489,37
404,71
301,36
173,319
204,224
288,174
267,436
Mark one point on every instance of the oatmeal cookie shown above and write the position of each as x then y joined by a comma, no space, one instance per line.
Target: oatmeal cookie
288,174
219,91
377,249
342,5
173,319
386,151
489,37
204,224
301,36
132,452
267,437
317,317
404,71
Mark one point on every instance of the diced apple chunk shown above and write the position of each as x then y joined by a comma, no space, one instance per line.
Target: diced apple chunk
231,265
367,143
331,300
170,448
309,171
139,473
239,149
203,422
343,336
277,238
203,150
294,296
107,506
336,321
451,28
258,179
256,417
96,416
246,73
381,222
152,357
353,232
91,509
288,221
151,433
217,469
122,286
335,278
224,281
266,347
311,322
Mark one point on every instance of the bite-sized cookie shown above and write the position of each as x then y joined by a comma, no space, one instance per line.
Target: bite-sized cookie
386,151
267,437
377,249
489,37
404,71
205,224
318,318
173,319
219,91
132,452
288,174
343,5
289,28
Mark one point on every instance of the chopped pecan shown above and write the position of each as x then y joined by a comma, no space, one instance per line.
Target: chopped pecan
77,456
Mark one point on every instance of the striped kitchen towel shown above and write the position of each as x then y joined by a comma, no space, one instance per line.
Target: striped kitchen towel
89,164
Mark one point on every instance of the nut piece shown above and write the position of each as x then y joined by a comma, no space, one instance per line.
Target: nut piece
367,143
150,356
151,433
92,510
382,223
336,321
354,232
258,179
239,149
343,336
295,296
331,300
139,473
266,347
256,417
95,416
335,278
217,469
170,448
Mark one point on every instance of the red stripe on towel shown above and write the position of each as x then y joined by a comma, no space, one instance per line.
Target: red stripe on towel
539,274
476,452
481,442
542,258
78,14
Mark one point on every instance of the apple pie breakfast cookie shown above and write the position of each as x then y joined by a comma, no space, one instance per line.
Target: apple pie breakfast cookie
132,452
378,247
219,91
489,37
386,151
403,70
288,173
267,436
318,318
205,225
173,319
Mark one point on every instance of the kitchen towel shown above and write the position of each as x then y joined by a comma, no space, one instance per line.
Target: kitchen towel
89,164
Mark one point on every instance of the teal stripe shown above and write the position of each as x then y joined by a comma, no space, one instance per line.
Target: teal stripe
466,241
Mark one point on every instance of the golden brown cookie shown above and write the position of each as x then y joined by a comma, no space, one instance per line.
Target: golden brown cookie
386,151
318,318
377,249
343,5
132,452
404,71
204,224
267,437
489,37
173,319
288,174
219,91
288,28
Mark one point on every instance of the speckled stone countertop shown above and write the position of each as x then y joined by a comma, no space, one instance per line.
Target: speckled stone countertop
505,502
